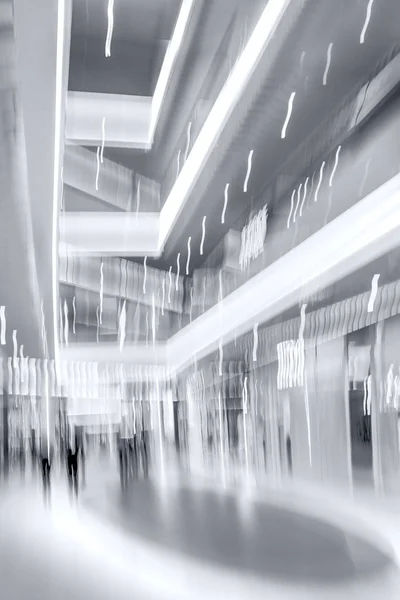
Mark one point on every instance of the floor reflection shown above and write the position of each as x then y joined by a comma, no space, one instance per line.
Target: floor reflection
268,541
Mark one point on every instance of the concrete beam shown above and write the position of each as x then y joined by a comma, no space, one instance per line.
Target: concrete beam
112,120
109,234
361,234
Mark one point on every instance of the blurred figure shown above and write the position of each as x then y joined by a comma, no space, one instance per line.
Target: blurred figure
22,457
72,469
123,462
46,460
33,450
134,460
144,450
82,450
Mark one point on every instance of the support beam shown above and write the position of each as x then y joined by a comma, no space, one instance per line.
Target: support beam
364,232
121,121
109,234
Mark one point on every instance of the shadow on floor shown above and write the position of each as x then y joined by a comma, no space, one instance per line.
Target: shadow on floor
255,537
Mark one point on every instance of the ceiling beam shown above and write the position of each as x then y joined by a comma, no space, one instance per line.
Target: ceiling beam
355,238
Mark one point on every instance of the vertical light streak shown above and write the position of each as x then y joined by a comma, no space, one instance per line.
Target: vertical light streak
188,257
160,430
307,406
226,198
369,394
302,57
66,323
188,134
101,292
110,27
47,395
321,174
191,304
280,366
163,296
98,324
298,202
249,166
74,313
221,357
23,363
289,114
43,330
178,164
153,318
304,196
178,267
389,385
221,437
15,347
145,274
221,290
62,188
291,208
147,327
122,326
57,191
365,397
366,22
335,166
203,236
364,179
256,395
286,365
255,342
138,196
170,285
302,321
3,325
10,375
61,322
328,64
374,291
245,408
97,167
103,138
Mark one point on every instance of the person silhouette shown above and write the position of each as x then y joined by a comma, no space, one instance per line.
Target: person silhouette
72,468
46,456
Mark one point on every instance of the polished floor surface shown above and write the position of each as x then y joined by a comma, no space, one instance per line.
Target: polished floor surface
250,536
175,542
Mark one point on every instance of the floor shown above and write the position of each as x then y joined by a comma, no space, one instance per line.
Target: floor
175,541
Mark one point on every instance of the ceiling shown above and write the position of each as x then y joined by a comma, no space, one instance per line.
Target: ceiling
260,118
296,61
140,35
139,20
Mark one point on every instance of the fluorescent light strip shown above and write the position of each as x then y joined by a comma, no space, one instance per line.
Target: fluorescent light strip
353,239
358,236
219,114
58,140
169,62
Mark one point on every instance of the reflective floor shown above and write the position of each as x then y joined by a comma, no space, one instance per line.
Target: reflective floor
174,541
268,541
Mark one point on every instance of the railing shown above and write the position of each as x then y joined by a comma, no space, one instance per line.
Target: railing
353,168
124,279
